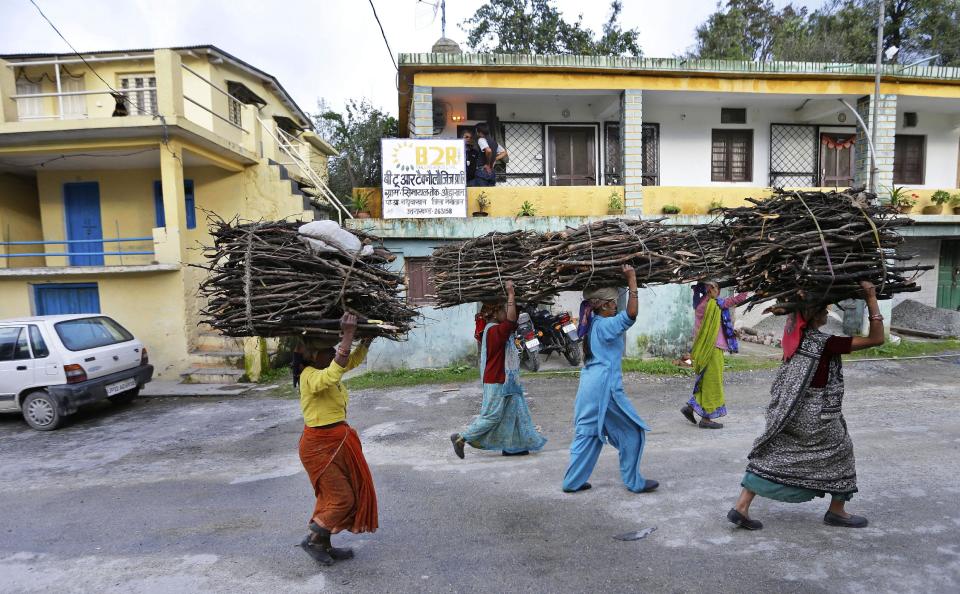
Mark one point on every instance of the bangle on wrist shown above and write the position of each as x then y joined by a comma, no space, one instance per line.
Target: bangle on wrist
875,317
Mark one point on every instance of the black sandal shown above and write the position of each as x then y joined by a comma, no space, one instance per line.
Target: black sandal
583,487
457,445
832,519
316,551
708,424
687,411
743,521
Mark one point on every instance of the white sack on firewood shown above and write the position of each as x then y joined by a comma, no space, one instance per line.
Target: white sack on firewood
328,236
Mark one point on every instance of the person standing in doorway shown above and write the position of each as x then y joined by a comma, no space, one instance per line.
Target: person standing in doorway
504,422
472,156
602,411
713,336
488,148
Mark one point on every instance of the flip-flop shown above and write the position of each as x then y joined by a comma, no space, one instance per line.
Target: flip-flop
583,487
687,411
743,521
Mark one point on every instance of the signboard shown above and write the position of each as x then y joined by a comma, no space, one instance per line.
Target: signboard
424,178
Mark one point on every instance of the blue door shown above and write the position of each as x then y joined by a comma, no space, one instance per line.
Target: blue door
82,206
70,298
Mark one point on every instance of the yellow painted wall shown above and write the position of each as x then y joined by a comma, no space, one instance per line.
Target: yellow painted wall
505,201
709,83
19,220
145,304
126,202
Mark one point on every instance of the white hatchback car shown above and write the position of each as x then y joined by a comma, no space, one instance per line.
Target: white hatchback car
51,365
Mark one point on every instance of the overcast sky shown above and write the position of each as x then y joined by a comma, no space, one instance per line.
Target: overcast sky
317,48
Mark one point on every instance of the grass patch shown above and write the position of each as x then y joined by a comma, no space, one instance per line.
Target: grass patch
414,377
907,348
272,375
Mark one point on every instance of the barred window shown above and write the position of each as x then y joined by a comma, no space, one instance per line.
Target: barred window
142,102
732,156
908,159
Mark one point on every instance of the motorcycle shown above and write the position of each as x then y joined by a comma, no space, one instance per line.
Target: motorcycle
557,334
527,342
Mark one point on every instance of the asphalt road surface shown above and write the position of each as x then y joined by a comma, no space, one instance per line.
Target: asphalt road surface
207,495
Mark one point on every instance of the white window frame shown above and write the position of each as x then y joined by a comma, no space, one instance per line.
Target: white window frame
147,92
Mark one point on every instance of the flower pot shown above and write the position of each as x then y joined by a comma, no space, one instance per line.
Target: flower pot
480,214
956,210
933,209
904,209
363,215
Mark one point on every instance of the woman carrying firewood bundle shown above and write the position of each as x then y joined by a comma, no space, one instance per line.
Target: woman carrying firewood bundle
504,422
330,449
713,336
602,411
805,450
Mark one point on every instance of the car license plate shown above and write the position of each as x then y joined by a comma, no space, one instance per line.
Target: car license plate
532,344
568,328
127,384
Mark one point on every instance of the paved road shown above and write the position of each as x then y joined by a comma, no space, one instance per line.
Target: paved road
207,495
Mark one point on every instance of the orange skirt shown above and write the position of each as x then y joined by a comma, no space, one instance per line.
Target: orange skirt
341,479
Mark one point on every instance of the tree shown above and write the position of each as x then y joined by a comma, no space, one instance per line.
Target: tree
356,135
538,27
839,31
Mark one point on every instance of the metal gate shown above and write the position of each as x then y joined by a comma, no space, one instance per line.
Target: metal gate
793,155
524,143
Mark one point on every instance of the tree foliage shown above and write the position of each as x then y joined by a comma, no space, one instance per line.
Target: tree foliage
839,31
355,134
538,27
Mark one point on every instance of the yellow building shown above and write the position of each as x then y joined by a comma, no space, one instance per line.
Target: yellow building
108,166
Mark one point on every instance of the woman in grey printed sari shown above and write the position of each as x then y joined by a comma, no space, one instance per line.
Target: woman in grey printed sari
805,450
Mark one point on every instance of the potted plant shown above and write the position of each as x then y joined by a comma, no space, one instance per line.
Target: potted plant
955,203
361,203
939,198
615,203
670,209
527,209
899,199
482,204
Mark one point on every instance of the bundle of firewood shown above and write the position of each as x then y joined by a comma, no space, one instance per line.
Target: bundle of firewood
593,255
264,281
478,269
815,247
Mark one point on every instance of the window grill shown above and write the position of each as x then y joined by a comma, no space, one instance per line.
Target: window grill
793,155
651,155
524,144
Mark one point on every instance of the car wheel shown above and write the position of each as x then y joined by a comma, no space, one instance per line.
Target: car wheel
532,361
125,397
40,411
572,353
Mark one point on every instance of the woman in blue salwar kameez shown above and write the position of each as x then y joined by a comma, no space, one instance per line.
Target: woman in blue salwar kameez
602,411
504,422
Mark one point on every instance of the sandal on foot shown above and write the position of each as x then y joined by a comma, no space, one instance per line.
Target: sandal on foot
743,521
649,486
583,487
708,424
457,445
832,519
339,554
687,411
316,551
523,453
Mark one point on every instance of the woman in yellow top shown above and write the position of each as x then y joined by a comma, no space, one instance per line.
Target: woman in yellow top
330,449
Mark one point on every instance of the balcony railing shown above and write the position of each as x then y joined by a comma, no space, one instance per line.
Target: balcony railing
91,257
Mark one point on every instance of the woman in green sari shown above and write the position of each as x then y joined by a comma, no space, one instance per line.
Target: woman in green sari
713,336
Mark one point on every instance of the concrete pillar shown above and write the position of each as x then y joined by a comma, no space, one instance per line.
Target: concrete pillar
631,136
169,244
169,73
886,133
420,123
255,358
8,88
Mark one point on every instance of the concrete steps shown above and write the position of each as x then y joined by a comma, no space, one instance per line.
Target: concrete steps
212,375
215,359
